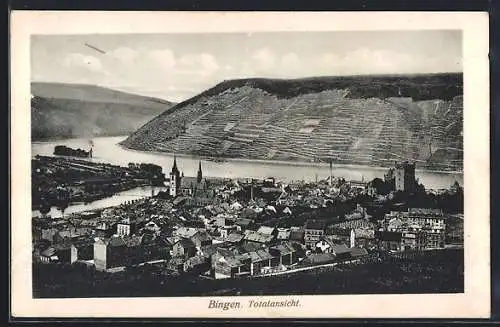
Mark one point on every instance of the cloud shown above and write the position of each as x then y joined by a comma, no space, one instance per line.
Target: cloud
264,59
205,64
290,60
164,58
124,55
379,61
78,60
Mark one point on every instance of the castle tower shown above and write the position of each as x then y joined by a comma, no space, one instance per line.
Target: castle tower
175,179
405,176
199,177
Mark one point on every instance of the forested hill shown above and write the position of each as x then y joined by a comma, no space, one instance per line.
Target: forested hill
76,110
372,120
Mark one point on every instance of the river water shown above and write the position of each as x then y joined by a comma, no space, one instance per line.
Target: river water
106,149
116,199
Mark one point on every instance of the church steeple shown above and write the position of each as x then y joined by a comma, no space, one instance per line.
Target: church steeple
174,167
175,179
200,174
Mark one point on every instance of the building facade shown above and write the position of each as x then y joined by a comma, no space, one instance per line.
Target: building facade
313,232
421,228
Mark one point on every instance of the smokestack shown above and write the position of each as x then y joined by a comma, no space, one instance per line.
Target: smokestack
331,173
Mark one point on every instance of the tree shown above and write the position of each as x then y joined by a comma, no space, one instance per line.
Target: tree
382,187
44,209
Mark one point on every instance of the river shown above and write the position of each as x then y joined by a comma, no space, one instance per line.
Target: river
116,199
107,149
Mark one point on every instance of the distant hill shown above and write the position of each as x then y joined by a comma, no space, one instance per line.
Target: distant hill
76,110
366,120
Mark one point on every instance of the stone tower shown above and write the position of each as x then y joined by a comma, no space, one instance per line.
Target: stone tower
405,176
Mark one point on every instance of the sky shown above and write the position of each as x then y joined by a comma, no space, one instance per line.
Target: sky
176,67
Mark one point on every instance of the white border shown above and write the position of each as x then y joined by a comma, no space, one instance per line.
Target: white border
475,302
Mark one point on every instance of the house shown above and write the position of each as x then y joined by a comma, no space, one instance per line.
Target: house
176,264
431,222
124,251
341,235
325,245
197,264
313,232
357,252
258,238
390,241
154,248
49,234
49,255
286,253
201,238
125,227
340,251
236,206
184,248
71,232
104,230
283,234
235,238
243,224
365,238
153,227
328,245
89,215
319,258
82,251
209,250
116,251
226,230
185,232
56,253
261,260
297,234
267,230
225,264
171,240
412,241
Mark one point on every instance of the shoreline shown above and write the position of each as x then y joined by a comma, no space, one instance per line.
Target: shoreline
283,162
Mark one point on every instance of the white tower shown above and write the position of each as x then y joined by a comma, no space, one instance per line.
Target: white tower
353,239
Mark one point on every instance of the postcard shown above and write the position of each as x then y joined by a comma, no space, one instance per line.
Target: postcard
250,164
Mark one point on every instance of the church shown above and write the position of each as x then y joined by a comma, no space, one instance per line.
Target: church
197,188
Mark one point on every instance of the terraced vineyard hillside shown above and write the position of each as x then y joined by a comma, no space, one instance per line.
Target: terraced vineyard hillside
360,120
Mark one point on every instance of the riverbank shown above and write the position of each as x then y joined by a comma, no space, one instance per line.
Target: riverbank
62,181
281,162
109,150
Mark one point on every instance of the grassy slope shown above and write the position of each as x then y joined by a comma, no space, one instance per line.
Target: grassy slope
75,110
